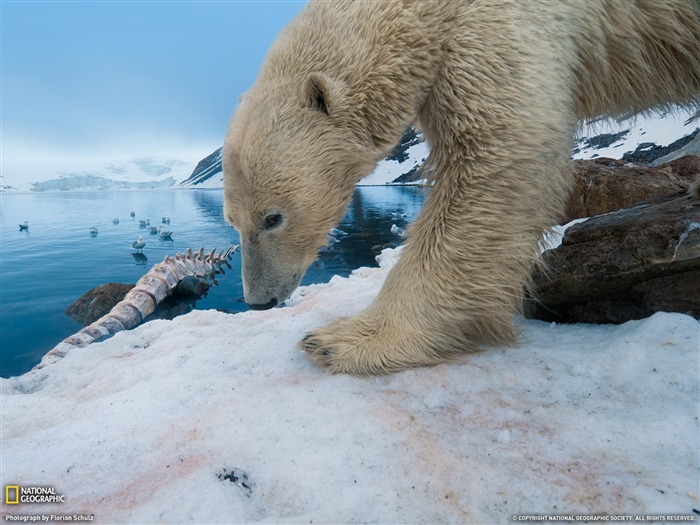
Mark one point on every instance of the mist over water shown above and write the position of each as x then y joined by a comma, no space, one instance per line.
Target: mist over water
55,261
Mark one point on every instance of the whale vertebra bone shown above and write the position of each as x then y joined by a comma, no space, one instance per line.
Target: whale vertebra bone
142,299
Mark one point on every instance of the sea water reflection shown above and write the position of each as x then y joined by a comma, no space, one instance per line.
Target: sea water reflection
46,267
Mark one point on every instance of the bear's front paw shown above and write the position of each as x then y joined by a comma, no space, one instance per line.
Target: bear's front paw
355,346
342,349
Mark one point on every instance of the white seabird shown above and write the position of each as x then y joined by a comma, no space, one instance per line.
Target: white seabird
399,232
24,227
139,243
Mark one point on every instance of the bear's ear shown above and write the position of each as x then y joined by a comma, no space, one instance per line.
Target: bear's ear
318,93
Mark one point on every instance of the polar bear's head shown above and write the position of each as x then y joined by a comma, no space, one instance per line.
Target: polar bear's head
292,156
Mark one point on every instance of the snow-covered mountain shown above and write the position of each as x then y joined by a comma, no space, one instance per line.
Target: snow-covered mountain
643,139
139,173
207,174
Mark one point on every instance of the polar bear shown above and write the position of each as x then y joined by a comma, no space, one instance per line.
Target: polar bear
498,89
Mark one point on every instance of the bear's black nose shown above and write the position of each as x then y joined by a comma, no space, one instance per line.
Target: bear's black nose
264,306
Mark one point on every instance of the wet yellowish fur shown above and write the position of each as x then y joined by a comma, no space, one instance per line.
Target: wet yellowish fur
498,87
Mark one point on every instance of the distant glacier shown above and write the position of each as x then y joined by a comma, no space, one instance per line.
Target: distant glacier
97,183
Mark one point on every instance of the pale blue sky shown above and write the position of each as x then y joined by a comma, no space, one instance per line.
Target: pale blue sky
84,80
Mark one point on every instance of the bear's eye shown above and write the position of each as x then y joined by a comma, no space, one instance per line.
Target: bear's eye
272,221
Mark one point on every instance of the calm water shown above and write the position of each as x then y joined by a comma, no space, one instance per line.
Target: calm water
46,268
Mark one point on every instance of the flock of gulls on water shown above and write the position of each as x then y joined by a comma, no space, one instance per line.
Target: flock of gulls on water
166,235
139,243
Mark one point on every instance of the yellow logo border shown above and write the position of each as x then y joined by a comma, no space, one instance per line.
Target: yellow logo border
7,494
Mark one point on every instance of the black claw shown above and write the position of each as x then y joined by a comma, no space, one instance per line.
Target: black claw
310,346
307,343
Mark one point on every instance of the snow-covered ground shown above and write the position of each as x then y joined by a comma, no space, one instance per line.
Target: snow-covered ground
216,418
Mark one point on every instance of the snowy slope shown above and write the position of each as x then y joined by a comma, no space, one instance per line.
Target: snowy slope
218,418
390,169
614,138
207,174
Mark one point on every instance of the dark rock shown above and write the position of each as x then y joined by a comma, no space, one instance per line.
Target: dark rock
648,152
172,307
97,302
604,185
624,265
604,140
238,477
191,287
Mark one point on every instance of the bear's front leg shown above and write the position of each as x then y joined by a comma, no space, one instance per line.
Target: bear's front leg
431,308
460,277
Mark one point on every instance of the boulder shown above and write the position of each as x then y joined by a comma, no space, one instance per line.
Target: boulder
101,299
97,302
192,287
604,185
624,265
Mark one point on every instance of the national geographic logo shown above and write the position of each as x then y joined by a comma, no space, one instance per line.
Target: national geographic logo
14,495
